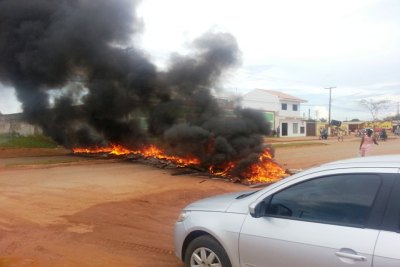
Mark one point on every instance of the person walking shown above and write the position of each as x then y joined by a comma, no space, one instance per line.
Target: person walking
339,135
366,143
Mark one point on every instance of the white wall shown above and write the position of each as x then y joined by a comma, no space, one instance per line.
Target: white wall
21,128
258,99
4,127
289,112
291,128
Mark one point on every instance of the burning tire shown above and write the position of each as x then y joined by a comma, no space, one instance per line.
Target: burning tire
206,251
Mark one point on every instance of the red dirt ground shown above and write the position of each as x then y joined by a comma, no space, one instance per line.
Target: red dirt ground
111,213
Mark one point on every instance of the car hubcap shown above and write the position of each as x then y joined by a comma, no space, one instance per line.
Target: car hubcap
204,257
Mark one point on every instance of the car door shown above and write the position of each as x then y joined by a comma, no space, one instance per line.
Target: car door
322,221
387,253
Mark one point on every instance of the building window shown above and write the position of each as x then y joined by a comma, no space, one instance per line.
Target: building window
284,106
295,107
295,128
302,129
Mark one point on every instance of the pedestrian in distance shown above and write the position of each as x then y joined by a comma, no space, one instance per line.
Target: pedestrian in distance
339,135
367,142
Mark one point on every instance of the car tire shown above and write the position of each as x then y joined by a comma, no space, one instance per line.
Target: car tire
206,251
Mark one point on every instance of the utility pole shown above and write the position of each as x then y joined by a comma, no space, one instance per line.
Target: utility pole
398,115
330,101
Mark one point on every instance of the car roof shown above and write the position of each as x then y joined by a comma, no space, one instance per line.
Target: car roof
386,161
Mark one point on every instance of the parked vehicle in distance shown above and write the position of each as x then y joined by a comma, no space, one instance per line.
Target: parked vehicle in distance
339,214
323,134
382,135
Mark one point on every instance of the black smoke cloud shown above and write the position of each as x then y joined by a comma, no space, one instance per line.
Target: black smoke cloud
48,47
47,44
221,139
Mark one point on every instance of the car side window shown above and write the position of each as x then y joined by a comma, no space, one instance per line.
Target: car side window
338,199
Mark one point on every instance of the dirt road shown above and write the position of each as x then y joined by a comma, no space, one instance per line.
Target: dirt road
309,156
113,214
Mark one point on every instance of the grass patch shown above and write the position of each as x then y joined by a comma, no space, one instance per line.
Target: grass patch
34,141
297,144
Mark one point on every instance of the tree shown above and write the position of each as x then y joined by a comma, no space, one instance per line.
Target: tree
374,106
392,118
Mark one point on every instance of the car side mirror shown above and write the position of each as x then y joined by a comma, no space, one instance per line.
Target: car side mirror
252,209
258,209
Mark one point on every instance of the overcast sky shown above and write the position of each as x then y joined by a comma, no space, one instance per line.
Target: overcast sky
297,47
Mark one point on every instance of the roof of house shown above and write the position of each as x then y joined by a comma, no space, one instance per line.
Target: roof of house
283,96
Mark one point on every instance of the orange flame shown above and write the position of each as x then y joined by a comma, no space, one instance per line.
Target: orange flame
150,151
154,152
222,171
113,149
265,170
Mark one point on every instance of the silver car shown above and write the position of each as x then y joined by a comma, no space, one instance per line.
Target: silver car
345,213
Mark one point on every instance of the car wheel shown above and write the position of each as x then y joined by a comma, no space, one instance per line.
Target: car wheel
205,251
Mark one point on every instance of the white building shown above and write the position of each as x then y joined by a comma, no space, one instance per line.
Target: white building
281,110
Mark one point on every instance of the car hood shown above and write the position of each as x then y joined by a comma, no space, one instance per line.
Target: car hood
218,203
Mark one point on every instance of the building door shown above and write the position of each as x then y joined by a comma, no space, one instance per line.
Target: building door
284,129
311,129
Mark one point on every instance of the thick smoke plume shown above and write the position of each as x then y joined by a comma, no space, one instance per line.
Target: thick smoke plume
78,75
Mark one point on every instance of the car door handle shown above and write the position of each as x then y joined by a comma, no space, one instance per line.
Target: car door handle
351,256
